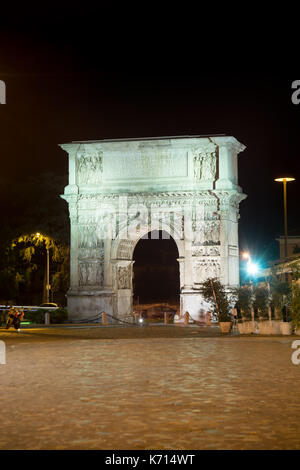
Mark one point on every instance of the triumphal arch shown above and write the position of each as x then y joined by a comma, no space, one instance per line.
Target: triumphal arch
122,190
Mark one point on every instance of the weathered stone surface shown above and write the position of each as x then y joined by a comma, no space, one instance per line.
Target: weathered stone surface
121,190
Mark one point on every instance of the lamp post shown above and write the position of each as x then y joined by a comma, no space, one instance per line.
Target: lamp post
47,271
285,180
252,270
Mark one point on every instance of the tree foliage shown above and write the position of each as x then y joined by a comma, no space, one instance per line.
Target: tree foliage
261,300
295,306
33,205
215,293
244,301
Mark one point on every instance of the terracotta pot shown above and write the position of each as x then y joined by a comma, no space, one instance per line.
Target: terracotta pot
225,326
285,328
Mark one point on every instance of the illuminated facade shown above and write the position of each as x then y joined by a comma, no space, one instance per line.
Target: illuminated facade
120,190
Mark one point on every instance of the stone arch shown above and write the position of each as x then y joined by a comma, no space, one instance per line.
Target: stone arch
191,180
123,247
162,282
122,250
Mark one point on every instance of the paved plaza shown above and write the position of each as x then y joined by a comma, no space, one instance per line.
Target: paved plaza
151,387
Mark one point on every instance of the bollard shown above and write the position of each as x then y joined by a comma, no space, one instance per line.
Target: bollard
208,319
186,318
104,322
47,318
166,317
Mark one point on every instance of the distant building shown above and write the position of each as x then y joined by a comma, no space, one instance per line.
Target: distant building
285,266
293,246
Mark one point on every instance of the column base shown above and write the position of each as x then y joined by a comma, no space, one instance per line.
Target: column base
87,305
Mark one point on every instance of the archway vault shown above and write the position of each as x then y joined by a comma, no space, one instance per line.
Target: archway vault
156,278
187,186
123,246
122,260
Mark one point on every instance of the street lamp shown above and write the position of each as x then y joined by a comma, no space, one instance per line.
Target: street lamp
252,268
285,180
246,256
48,271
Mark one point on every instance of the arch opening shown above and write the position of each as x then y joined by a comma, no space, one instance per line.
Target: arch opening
156,278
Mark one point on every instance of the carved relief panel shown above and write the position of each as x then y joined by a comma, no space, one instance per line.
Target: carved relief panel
90,273
204,268
205,163
124,277
89,169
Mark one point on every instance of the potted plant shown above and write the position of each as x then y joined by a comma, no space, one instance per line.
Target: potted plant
261,307
214,292
243,304
280,295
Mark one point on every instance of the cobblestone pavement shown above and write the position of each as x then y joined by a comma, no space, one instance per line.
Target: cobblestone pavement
148,388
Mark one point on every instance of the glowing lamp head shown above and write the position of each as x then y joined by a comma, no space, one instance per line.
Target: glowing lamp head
245,255
287,179
252,269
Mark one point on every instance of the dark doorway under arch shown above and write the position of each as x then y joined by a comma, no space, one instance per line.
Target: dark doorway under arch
156,269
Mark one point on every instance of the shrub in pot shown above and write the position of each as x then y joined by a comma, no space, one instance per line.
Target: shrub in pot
243,304
261,306
280,298
215,293
295,308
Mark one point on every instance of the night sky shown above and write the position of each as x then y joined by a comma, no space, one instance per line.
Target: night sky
67,81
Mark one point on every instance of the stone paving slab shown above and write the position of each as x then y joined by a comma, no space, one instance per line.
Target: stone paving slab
100,389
